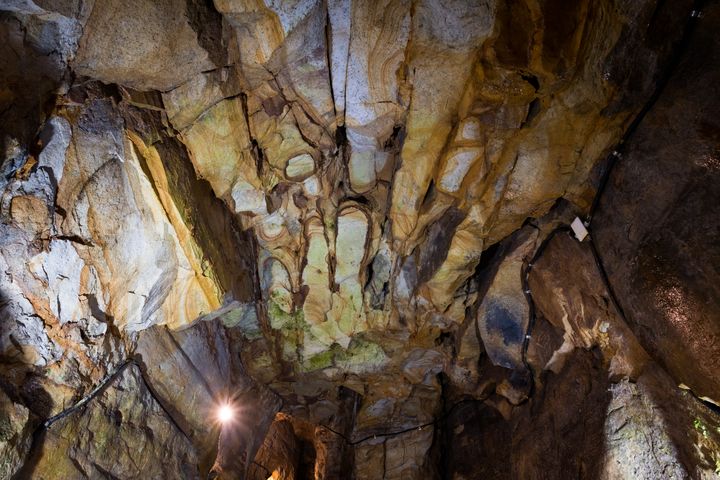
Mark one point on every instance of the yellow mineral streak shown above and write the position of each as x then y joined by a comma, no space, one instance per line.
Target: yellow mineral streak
210,298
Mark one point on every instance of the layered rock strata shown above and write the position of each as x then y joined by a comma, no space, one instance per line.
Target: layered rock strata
323,213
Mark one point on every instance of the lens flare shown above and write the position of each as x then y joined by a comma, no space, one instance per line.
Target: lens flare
225,413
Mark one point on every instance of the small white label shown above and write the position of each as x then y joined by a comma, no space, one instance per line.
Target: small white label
579,229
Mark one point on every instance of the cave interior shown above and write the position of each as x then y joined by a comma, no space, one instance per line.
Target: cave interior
359,239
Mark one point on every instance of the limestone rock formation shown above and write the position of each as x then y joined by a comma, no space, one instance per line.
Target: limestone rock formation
123,433
346,221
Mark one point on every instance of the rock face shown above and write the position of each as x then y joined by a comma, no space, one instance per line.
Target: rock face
15,435
123,433
338,218
653,221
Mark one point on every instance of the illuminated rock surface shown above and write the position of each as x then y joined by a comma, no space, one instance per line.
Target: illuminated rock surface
340,217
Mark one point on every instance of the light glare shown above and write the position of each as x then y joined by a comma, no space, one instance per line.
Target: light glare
225,413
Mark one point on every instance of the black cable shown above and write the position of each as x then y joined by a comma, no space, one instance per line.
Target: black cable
38,435
406,430
616,154
525,281
389,434
606,279
102,385
673,62
100,388
611,161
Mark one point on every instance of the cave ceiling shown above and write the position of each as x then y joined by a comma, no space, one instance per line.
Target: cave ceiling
346,216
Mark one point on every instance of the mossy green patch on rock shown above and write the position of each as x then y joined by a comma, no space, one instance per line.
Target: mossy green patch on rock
291,327
322,360
282,320
362,355
245,318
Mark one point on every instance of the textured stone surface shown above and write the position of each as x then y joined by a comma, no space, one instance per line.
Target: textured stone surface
37,45
15,435
579,422
122,433
617,394
279,455
322,213
153,44
657,224
503,314
196,370
570,294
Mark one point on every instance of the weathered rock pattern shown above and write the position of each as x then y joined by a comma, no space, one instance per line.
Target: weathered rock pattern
653,221
14,434
338,217
123,433
582,309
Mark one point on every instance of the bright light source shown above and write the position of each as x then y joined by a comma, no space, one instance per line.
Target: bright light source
225,413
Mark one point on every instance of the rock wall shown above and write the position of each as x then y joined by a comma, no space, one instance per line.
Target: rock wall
654,224
340,217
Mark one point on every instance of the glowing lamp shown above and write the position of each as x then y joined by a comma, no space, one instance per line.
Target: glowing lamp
225,414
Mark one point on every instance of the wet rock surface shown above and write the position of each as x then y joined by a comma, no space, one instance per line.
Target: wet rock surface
656,217
338,218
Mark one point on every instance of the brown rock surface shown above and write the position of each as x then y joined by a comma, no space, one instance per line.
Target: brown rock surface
153,44
122,433
323,213
656,227
569,293
15,435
